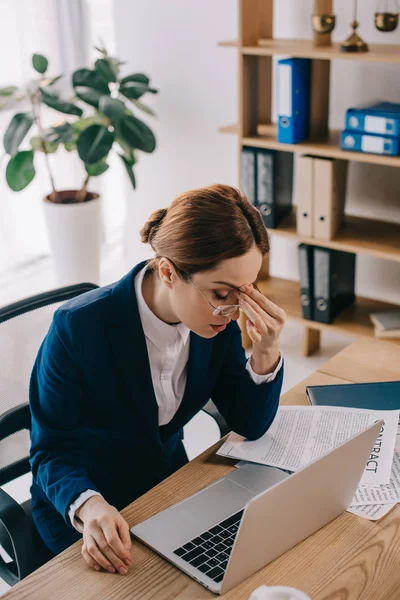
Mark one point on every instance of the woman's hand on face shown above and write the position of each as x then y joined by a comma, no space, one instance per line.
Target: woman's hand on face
265,320
106,538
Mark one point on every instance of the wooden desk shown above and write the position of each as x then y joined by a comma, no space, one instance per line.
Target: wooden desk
349,559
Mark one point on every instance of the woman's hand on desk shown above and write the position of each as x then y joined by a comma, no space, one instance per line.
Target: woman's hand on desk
106,537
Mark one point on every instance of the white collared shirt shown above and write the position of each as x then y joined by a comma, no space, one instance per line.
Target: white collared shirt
168,350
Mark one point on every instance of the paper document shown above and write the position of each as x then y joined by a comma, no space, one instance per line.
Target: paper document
300,434
373,512
382,494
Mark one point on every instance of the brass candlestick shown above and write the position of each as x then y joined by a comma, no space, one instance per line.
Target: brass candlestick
354,43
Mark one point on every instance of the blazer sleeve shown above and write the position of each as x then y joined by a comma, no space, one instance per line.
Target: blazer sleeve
55,397
248,408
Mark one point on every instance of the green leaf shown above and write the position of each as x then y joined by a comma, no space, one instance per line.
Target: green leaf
70,146
128,154
143,107
102,51
136,133
135,90
105,68
63,134
40,63
37,145
16,131
94,143
8,91
129,170
97,168
61,105
89,95
125,147
20,170
137,77
81,124
111,107
91,79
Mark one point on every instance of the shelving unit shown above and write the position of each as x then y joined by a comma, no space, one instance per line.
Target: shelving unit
327,145
358,235
382,53
256,47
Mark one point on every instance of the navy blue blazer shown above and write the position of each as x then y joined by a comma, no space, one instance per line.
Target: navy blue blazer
95,414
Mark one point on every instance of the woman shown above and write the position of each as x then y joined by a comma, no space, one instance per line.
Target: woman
124,367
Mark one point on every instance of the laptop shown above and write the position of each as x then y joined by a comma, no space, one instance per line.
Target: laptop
237,525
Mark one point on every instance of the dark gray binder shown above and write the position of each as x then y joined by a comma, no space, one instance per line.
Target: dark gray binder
306,260
248,173
334,279
274,190
267,180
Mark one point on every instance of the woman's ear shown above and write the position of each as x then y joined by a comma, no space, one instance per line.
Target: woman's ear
166,272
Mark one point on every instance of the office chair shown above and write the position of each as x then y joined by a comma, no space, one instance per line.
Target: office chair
23,325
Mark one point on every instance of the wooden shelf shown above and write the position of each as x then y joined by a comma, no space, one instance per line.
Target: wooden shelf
358,235
383,53
354,321
328,146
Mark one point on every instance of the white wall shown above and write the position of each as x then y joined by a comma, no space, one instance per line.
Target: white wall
175,42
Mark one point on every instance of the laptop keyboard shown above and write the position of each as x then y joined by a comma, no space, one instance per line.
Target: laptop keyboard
209,552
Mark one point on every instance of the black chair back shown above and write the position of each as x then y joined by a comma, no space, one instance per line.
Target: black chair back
23,326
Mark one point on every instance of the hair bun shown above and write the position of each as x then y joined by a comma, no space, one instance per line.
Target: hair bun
152,225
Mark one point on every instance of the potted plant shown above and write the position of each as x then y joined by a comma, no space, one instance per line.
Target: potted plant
99,119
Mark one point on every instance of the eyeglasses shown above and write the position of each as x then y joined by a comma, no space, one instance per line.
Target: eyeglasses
221,311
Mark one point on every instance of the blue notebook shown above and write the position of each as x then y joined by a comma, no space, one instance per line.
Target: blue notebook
376,396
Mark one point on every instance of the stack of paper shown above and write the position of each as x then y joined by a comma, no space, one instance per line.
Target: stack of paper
301,434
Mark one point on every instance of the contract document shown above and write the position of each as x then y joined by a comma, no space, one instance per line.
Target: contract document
301,434
382,494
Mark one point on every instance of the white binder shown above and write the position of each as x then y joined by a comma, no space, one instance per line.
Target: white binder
305,195
320,196
330,177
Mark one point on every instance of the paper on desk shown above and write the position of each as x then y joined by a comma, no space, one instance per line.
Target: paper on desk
373,512
300,434
382,494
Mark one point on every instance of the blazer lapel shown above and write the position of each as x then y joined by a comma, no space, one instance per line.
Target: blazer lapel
129,348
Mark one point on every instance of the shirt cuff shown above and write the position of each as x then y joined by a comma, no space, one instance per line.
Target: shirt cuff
75,522
264,378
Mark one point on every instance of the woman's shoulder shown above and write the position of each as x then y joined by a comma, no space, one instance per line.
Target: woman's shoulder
89,307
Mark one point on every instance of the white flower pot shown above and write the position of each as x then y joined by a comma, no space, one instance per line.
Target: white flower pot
75,232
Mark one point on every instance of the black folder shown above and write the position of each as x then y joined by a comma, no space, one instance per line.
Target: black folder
306,259
376,396
334,279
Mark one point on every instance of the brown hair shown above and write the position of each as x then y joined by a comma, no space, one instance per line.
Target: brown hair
203,227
